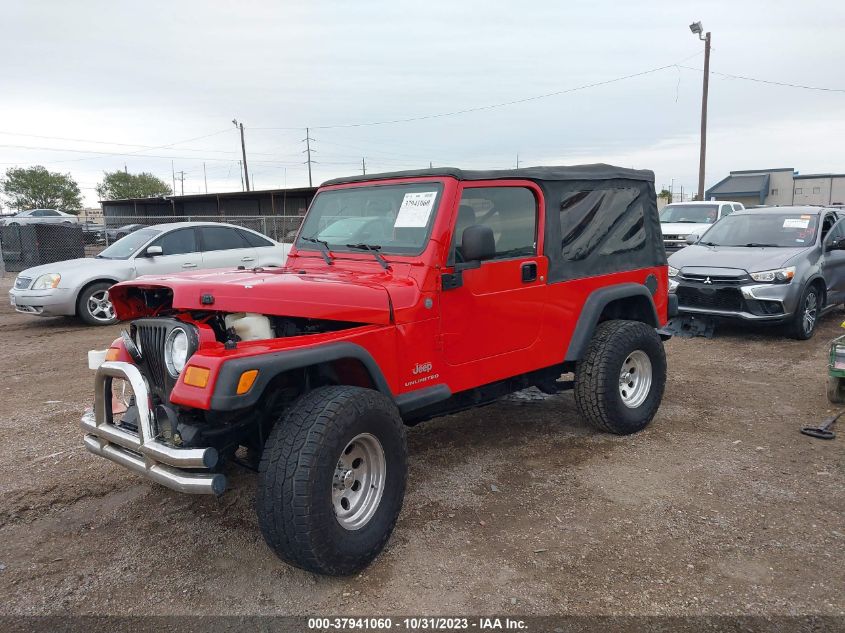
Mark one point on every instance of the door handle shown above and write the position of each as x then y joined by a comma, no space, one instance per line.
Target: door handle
189,265
247,259
529,272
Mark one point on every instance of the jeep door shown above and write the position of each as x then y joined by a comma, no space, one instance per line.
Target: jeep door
497,307
833,263
179,253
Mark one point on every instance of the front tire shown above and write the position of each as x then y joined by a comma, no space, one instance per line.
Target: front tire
93,305
620,381
806,316
332,479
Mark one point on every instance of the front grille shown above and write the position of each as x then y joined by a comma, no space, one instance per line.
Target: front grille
722,280
23,283
151,336
716,299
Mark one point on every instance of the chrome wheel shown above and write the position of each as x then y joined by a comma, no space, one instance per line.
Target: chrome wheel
99,306
811,312
635,379
358,481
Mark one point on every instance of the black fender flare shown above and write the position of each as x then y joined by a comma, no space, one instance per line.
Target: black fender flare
225,397
592,309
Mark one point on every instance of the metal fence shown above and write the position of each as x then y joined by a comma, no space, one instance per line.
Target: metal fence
25,245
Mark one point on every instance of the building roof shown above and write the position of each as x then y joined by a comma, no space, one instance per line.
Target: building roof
740,185
762,171
803,176
598,171
214,196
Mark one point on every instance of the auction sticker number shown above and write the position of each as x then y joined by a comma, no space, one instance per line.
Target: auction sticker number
415,210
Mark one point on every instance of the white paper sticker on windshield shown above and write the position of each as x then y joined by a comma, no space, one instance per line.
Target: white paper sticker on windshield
415,210
795,223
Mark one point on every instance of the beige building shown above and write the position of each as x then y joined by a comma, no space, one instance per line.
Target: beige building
779,187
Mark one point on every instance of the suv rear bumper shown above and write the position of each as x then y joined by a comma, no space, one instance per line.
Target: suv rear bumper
142,452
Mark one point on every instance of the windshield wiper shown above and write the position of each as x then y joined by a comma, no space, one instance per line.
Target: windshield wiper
753,244
374,249
707,243
326,252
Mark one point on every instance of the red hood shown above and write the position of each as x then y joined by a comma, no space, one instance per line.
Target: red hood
341,296
338,295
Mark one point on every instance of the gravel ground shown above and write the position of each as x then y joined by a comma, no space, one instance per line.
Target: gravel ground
719,507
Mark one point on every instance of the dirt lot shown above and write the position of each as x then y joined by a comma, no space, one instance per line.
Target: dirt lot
719,507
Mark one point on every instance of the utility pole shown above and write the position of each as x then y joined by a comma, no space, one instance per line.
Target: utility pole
308,140
182,181
205,177
697,29
240,126
241,169
517,161
173,176
364,165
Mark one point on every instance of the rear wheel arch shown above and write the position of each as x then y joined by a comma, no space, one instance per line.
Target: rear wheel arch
629,302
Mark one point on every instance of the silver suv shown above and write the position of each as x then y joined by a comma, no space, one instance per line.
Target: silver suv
778,265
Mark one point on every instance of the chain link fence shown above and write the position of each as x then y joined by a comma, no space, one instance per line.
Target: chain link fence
32,244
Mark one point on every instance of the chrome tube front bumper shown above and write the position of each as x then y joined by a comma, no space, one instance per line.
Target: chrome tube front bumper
142,452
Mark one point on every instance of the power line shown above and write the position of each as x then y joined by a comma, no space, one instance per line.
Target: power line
491,106
765,81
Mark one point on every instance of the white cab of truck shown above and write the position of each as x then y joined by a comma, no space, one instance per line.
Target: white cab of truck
679,220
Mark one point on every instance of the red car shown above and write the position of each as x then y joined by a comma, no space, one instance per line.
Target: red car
405,296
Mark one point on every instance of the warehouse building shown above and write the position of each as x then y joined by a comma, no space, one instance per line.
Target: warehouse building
269,202
779,187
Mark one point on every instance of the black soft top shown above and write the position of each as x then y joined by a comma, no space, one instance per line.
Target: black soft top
597,171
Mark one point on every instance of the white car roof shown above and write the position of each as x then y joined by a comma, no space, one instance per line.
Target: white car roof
672,204
169,226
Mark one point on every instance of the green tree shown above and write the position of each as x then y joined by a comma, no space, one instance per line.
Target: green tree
665,193
36,188
118,185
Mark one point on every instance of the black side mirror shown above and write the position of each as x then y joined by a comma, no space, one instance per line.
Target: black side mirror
478,243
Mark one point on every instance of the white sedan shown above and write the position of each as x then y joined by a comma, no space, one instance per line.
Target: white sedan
41,216
80,286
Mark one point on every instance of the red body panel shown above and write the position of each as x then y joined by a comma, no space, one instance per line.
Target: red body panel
494,326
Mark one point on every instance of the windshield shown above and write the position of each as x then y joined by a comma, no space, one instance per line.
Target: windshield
693,213
785,230
127,246
396,218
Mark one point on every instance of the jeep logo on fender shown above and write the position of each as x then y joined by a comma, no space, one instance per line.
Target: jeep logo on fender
421,368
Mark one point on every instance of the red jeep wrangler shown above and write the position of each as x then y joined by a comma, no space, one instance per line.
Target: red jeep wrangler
406,296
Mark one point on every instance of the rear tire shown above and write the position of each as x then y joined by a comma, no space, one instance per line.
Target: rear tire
807,314
317,511
620,381
93,306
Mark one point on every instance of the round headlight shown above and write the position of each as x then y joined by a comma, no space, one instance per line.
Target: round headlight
176,351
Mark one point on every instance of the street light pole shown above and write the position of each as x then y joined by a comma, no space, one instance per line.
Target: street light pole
697,29
243,151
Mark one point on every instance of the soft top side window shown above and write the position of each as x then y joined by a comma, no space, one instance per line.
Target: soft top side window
510,211
604,221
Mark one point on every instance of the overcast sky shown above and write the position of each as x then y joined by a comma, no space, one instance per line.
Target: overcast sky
152,82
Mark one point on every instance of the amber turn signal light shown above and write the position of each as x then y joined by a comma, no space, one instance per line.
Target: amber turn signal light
246,381
196,376
113,353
